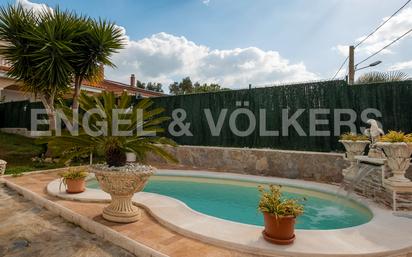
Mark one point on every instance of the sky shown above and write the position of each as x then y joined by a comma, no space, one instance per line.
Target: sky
240,42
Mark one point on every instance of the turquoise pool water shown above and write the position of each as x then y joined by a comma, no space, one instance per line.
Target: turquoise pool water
237,201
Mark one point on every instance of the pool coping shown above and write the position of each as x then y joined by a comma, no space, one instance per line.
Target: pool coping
362,240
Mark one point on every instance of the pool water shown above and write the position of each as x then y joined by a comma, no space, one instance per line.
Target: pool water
237,201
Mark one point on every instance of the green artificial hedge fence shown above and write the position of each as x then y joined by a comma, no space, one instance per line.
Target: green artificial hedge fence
392,99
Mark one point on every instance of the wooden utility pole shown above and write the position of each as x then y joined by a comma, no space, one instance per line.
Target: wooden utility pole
351,72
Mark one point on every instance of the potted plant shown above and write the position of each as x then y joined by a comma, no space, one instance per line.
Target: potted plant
279,215
397,147
354,145
116,177
74,180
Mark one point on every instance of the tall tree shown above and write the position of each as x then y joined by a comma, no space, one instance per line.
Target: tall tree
207,88
141,85
96,42
48,49
187,87
154,86
174,88
184,87
37,46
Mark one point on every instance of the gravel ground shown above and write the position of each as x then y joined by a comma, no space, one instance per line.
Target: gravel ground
32,231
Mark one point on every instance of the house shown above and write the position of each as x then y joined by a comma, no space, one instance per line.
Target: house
11,91
119,88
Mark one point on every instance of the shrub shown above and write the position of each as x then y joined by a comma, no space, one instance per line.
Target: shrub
113,146
272,202
396,137
353,137
74,173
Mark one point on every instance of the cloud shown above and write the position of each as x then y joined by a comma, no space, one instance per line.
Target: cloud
341,49
394,28
166,58
124,36
33,6
401,66
342,73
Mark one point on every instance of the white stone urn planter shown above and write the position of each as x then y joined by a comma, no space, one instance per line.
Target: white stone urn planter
398,158
353,148
121,183
3,165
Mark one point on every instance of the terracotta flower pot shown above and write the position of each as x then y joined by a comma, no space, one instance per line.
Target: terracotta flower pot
279,230
75,186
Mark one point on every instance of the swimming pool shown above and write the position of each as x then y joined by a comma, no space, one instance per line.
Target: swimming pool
237,201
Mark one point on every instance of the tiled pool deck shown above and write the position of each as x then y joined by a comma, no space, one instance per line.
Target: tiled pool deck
147,231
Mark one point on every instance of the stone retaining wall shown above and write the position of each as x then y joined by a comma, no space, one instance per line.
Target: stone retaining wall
325,167
18,131
23,132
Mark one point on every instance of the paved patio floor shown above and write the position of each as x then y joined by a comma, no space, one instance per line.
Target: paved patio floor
147,231
29,230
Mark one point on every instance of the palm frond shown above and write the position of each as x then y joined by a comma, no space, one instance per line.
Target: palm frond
374,77
145,124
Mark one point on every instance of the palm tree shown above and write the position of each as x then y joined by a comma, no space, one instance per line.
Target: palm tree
47,50
93,49
93,138
37,46
374,76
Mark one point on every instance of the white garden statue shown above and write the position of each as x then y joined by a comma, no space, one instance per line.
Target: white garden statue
374,133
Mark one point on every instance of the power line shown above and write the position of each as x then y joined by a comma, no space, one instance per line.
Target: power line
340,67
370,34
383,48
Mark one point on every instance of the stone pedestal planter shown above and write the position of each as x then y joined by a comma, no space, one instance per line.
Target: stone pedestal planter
353,148
121,183
3,165
398,158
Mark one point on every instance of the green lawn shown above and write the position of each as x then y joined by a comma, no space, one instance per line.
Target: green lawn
18,152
